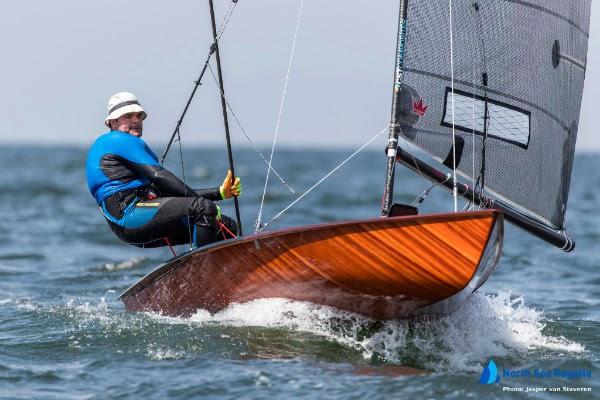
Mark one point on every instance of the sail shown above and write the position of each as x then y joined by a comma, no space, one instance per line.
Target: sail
519,68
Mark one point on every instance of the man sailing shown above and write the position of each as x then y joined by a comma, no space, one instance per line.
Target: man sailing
145,204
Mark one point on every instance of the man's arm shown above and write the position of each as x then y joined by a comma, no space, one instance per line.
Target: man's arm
165,181
211,194
140,158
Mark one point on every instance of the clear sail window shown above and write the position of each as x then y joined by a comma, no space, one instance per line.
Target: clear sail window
506,122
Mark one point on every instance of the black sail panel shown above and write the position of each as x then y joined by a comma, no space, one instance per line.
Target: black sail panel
519,68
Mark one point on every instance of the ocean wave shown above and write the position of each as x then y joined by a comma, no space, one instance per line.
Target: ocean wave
22,256
486,326
21,303
499,326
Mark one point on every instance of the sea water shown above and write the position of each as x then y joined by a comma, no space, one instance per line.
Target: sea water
64,334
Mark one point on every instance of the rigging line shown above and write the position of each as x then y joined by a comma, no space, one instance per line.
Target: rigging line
473,77
187,211
227,17
198,82
473,149
325,177
262,201
416,165
484,87
419,199
260,154
454,187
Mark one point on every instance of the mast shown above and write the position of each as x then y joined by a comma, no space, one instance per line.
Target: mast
388,192
224,107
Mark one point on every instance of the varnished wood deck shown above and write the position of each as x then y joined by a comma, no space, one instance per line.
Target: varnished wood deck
382,268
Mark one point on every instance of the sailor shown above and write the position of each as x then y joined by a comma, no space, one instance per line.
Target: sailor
145,204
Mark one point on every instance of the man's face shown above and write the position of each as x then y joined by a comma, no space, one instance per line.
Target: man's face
132,123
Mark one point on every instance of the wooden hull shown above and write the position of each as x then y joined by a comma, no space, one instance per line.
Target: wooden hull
382,268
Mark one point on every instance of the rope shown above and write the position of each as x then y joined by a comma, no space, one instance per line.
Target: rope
262,200
228,15
170,247
473,152
454,188
481,35
248,137
198,82
259,228
187,209
470,205
418,170
223,227
473,139
420,198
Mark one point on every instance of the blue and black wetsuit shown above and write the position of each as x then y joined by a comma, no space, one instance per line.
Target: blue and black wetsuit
144,203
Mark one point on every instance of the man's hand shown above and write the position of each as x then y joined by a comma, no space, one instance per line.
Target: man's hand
229,189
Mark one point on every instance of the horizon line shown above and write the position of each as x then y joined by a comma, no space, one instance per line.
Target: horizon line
213,146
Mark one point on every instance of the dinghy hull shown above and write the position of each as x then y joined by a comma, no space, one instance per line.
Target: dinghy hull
383,268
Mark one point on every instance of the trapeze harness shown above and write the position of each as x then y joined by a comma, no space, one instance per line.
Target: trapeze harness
145,204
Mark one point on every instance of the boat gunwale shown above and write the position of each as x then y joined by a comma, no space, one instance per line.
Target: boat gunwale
174,263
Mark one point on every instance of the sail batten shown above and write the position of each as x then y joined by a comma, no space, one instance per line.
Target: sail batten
585,30
519,68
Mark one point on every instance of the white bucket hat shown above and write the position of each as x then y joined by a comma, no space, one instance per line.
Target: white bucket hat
122,103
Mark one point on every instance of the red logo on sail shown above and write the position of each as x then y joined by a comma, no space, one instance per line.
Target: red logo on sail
419,108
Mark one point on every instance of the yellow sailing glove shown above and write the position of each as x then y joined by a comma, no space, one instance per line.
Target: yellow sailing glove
218,213
229,189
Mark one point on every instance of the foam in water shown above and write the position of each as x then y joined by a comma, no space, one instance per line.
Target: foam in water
158,352
24,303
127,264
485,326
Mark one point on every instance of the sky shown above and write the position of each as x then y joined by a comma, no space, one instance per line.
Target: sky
62,60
